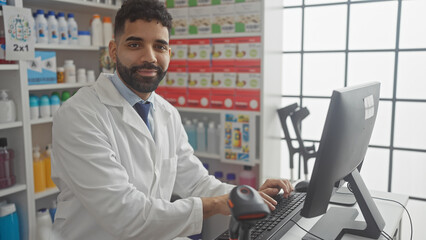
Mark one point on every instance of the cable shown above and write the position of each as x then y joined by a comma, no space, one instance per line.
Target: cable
386,235
305,230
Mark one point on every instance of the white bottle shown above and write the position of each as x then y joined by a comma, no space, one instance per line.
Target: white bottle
45,106
192,134
72,29
63,29
91,76
41,27
96,29
52,27
7,108
201,137
44,224
107,30
81,75
212,139
70,71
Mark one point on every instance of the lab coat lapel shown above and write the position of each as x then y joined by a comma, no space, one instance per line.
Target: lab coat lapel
109,95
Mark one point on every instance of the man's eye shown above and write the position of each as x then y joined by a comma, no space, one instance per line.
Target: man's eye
133,45
162,47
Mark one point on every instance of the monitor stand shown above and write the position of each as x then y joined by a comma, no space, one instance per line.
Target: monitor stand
339,221
343,197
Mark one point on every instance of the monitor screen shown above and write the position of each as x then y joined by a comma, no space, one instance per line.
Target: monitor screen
346,134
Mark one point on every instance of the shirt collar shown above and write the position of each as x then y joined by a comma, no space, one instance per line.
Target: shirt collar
130,96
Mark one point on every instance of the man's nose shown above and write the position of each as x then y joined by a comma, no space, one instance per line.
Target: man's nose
149,55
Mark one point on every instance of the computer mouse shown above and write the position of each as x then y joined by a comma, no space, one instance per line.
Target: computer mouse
301,186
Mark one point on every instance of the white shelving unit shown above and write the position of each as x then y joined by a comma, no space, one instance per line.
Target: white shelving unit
24,133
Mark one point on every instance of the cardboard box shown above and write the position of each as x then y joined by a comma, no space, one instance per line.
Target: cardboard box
177,99
248,18
177,78
199,53
176,3
194,3
222,101
221,2
224,51
223,81
199,80
179,50
247,103
198,100
223,19
42,70
248,81
199,20
180,22
162,89
248,52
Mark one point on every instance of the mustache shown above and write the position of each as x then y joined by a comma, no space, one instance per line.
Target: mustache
146,66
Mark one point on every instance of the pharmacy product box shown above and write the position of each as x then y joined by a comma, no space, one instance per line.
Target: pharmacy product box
222,101
177,78
179,53
243,1
198,100
223,81
42,70
199,80
180,21
199,52
162,89
176,3
247,103
177,99
199,20
248,17
223,53
248,51
221,2
223,19
194,3
248,81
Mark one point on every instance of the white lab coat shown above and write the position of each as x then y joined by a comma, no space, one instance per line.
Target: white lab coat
115,181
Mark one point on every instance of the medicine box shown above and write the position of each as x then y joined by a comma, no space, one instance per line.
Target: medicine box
176,3
200,20
42,70
180,21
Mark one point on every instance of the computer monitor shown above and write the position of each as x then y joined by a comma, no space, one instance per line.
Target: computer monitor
344,142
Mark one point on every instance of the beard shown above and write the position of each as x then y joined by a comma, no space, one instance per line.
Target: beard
137,82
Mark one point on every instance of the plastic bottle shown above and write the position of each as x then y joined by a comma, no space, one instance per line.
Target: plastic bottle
44,224
212,140
192,134
91,76
34,107
3,2
47,165
62,28
81,75
7,178
70,71
107,30
231,179
52,210
96,29
247,177
72,29
7,108
55,103
84,38
219,176
39,171
41,27
52,27
9,222
65,96
45,106
60,74
201,137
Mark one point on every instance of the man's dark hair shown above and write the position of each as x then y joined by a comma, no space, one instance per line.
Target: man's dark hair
147,10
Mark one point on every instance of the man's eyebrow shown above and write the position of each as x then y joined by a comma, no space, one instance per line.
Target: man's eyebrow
162,41
132,38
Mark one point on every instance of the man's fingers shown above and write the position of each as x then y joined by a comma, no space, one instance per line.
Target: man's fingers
271,191
279,184
268,200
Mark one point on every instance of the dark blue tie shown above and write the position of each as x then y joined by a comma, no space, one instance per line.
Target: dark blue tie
143,109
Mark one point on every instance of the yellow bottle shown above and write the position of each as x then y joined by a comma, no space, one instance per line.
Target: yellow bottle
39,171
47,165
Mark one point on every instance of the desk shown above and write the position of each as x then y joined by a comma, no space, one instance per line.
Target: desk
391,213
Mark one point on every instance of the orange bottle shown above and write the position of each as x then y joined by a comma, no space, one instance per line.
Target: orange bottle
47,165
39,171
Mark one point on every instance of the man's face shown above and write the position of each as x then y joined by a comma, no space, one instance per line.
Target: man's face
142,55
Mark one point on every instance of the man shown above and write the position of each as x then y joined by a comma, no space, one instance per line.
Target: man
117,162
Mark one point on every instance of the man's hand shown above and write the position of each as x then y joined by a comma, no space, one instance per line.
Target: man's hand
272,187
215,205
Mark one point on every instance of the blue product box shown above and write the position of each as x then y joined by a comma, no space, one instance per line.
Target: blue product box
42,70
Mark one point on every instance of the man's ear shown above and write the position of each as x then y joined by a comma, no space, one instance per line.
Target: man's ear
170,51
113,50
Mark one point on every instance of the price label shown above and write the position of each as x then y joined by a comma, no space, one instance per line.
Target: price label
19,33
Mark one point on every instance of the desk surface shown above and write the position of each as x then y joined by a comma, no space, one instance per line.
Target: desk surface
391,213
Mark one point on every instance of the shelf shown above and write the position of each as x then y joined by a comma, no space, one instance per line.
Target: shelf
241,162
42,120
50,46
48,192
57,86
230,35
217,111
9,66
207,155
74,6
10,125
11,190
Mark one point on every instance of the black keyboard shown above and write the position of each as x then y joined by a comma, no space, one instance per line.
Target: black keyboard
278,223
